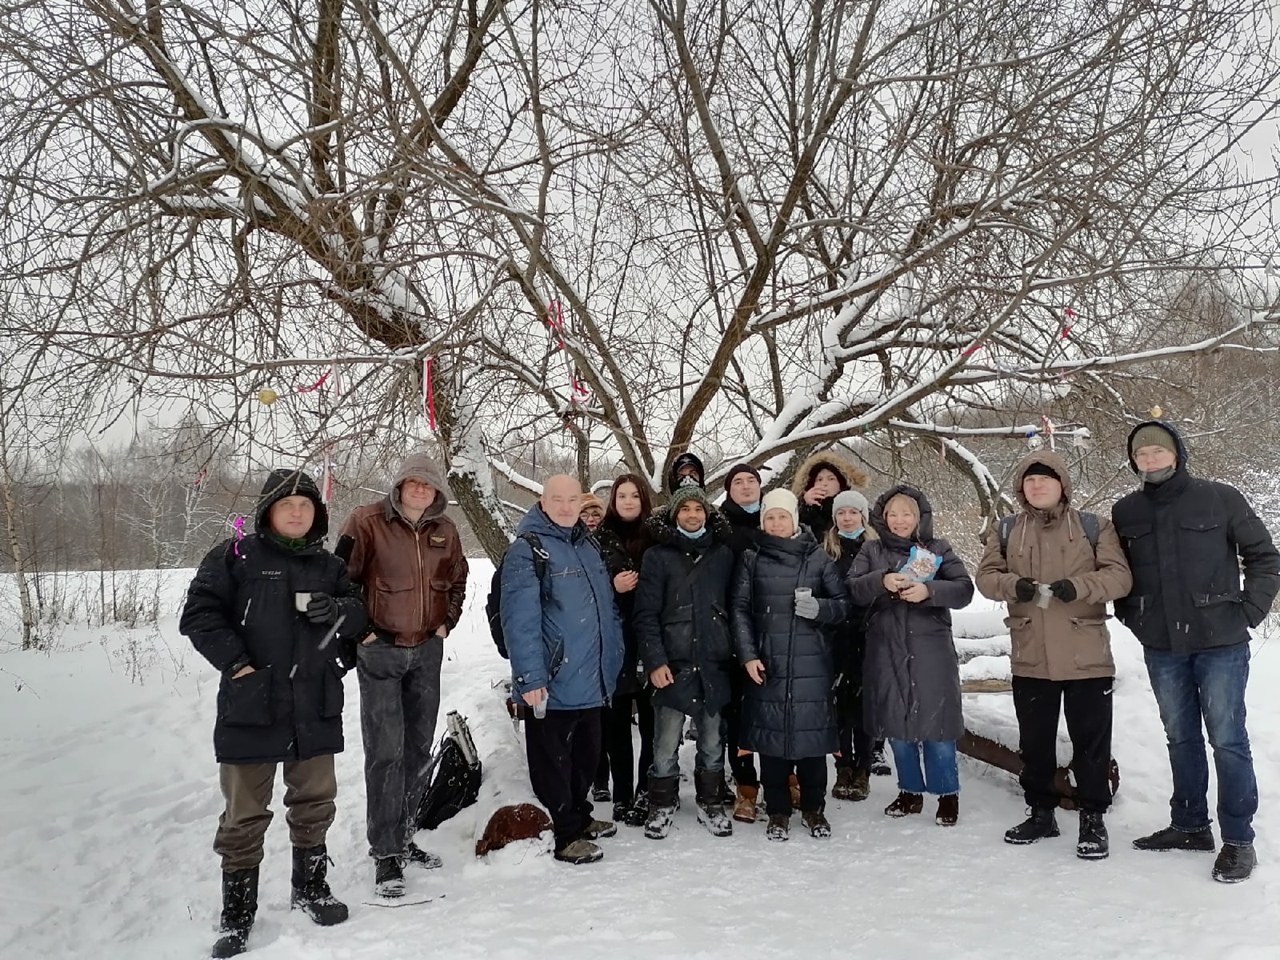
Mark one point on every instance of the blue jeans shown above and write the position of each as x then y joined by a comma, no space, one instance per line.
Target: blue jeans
941,774
668,725
1207,685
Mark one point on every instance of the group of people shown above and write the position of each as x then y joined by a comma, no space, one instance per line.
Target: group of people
792,624
788,625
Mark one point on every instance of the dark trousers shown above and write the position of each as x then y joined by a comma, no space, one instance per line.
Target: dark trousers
399,701
855,743
620,746
775,773
601,781
743,767
310,787
563,750
1087,705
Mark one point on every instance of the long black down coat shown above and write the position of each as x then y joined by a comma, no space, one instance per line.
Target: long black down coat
1187,541
792,714
623,545
911,676
240,609
681,620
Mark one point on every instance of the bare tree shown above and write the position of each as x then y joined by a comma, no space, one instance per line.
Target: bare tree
748,227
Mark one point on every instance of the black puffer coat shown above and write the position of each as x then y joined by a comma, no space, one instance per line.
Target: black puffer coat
850,635
681,620
240,609
744,527
1187,540
911,676
790,715
623,545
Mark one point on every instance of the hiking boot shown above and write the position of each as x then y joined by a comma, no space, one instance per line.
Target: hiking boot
239,907
600,794
816,823
311,893
779,826
1039,825
658,824
1235,863
948,810
388,877
578,852
663,793
793,784
906,803
1093,843
879,766
709,785
744,807
639,812
620,811
1171,838
852,783
423,858
597,829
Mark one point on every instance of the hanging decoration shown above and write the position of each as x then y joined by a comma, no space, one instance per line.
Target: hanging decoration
326,476
267,397
555,321
318,384
238,526
1156,412
429,391
1068,322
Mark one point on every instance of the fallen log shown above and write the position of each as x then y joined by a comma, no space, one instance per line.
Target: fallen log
1001,757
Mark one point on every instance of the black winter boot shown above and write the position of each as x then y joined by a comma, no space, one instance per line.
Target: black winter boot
1093,843
711,813
311,893
388,877
239,907
664,793
1040,824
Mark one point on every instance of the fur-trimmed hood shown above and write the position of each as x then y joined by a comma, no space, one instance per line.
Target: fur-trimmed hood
854,477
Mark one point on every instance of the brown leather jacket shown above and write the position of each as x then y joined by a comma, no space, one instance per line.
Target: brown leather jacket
414,576
1063,641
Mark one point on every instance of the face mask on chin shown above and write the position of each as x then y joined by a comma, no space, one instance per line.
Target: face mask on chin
1157,476
694,535
852,534
750,507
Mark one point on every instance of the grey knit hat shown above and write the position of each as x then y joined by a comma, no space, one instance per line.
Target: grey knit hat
849,498
1153,435
689,491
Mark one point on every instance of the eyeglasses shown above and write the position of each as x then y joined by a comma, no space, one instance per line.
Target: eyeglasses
417,484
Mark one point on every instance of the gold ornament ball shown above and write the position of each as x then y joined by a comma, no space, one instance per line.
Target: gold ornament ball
1157,412
267,397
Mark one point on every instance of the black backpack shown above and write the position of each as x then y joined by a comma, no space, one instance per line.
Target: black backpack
1087,520
493,604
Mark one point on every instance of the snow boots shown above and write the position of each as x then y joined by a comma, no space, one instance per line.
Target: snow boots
1039,825
424,858
239,907
816,823
388,877
852,783
311,893
600,828
779,826
1093,843
1171,838
948,814
663,793
879,766
580,851
639,810
906,803
1234,863
744,807
709,786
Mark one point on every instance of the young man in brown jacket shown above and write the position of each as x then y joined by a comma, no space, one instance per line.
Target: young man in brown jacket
1057,569
406,555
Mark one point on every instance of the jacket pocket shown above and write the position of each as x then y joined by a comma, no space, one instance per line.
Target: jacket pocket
246,702
438,608
395,604
1092,646
1020,642
1133,609
332,693
1139,540
1222,615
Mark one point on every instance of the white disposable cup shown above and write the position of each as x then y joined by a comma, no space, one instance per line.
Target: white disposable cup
1045,595
300,601
803,593
540,709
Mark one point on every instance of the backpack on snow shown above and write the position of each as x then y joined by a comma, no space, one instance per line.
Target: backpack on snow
493,604
1087,520
453,778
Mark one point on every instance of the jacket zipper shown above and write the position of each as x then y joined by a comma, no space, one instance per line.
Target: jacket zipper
422,588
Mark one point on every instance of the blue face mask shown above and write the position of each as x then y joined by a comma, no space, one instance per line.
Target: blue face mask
750,507
695,535
852,534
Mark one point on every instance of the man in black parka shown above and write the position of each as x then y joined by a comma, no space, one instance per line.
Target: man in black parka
681,624
1187,541
276,615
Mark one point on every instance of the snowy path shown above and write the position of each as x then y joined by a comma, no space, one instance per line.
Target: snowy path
109,799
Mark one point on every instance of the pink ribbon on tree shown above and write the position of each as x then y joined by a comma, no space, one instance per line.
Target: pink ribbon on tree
318,384
238,524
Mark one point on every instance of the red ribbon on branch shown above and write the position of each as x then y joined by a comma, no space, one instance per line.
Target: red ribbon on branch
1068,323
318,384
428,391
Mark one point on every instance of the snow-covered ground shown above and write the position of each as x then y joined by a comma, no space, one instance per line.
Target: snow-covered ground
108,800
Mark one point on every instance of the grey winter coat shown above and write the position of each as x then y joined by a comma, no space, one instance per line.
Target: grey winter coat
792,714
911,677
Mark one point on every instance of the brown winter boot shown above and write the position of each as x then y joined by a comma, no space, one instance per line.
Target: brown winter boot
793,783
907,803
744,807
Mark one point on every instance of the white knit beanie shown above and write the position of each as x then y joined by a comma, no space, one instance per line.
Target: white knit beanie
781,499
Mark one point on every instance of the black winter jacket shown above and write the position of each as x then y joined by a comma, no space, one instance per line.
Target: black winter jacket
911,676
850,636
792,714
1186,541
744,528
613,536
681,620
240,609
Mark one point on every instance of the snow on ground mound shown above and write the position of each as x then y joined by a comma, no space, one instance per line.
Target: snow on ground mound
109,798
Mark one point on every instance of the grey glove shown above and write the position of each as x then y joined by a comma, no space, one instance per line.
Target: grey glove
807,607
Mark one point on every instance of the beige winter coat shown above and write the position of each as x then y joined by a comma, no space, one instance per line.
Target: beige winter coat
1063,641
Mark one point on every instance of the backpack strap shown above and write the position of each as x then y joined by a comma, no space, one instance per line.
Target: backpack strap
541,562
1088,521
1005,531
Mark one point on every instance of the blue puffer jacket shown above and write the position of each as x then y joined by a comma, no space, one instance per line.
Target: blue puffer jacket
571,644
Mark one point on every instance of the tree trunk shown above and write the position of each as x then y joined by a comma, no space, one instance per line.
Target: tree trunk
21,560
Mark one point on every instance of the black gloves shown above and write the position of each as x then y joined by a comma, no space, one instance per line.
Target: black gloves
1064,590
322,608
1025,590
